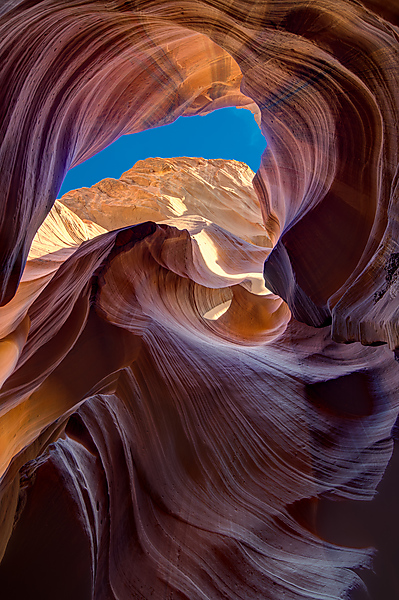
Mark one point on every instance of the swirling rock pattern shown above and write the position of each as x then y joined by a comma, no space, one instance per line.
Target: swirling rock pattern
171,426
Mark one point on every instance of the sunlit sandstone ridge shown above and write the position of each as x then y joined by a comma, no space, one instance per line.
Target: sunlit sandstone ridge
163,188
172,425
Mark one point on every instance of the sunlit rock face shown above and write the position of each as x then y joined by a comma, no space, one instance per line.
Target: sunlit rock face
172,425
159,189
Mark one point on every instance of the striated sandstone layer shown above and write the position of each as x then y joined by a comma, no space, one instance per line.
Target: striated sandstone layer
167,429
324,77
170,427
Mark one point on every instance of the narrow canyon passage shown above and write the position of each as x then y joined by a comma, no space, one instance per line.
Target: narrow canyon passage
199,392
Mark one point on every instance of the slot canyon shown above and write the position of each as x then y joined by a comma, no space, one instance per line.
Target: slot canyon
199,364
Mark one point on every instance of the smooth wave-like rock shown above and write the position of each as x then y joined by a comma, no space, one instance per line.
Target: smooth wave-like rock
148,447
324,77
170,427
92,73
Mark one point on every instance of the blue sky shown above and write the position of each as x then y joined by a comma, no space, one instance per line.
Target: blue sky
228,133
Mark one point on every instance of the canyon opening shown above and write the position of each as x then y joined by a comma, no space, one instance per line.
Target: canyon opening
199,384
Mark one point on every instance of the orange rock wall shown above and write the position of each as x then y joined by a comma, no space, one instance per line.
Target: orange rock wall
171,424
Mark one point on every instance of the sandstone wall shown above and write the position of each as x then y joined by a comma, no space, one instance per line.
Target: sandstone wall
172,424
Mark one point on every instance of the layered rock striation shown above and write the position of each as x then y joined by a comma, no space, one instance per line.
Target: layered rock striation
181,414
165,425
324,78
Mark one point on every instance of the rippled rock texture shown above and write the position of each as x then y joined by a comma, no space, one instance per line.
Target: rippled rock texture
172,424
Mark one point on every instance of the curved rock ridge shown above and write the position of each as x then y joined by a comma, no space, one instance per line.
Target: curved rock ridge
172,475
195,265
153,442
167,428
94,72
57,239
324,78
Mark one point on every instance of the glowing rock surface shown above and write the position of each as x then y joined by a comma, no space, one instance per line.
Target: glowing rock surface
170,427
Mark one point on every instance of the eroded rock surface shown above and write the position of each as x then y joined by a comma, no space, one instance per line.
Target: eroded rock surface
169,428
157,189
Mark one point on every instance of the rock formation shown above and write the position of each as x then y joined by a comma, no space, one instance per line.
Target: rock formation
172,425
161,189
